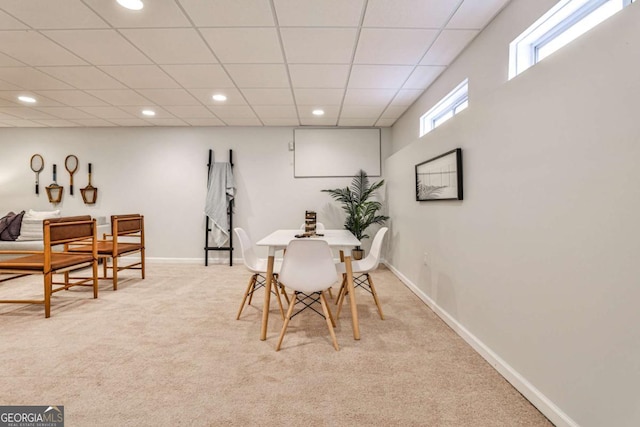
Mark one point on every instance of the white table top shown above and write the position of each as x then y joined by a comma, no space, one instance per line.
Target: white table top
335,238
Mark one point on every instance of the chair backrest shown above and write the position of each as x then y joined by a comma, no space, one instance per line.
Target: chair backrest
308,266
122,225
246,246
67,229
373,259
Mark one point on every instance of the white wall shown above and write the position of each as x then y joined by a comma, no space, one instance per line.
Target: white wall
162,173
538,266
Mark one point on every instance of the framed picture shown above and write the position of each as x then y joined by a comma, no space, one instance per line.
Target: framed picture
440,178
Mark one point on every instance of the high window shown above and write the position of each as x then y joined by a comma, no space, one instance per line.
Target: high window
456,101
566,21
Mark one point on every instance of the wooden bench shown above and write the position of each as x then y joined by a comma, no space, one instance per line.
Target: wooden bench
55,258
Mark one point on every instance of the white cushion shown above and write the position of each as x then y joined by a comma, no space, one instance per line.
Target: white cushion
32,224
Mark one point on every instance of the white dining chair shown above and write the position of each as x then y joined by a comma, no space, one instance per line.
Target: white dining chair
257,266
308,269
361,270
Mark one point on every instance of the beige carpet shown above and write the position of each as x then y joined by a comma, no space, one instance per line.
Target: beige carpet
167,351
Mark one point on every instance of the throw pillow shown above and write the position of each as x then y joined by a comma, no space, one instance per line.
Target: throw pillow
32,224
10,226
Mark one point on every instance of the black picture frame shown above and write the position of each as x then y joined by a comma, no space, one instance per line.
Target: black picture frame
440,178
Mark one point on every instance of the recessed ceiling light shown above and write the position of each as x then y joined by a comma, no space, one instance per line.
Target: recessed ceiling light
318,112
148,112
131,4
219,97
28,99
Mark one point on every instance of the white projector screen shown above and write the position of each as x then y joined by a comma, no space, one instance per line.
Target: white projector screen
336,152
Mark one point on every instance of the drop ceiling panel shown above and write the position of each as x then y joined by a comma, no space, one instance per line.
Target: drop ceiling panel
33,48
409,13
268,96
30,78
83,77
422,76
72,98
318,75
26,113
234,96
192,76
171,45
319,45
99,47
319,97
141,76
393,46
379,76
259,75
7,22
326,13
122,97
229,13
448,46
362,61
169,96
45,14
244,45
156,14
474,15
374,97
69,113
190,112
276,111
233,112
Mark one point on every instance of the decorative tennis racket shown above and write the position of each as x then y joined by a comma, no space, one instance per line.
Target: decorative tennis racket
37,164
89,193
71,164
54,191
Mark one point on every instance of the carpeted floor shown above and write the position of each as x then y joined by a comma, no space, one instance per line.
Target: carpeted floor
167,351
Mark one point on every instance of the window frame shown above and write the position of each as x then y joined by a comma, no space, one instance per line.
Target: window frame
566,14
449,104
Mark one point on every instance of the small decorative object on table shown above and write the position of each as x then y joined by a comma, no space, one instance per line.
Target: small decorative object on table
54,191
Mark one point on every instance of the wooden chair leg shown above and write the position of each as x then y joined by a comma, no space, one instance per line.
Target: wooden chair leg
343,293
142,262
292,304
277,292
329,319
375,296
255,280
343,286
249,290
48,279
94,269
114,266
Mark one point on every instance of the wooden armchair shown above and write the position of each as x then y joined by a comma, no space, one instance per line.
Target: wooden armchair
126,238
55,258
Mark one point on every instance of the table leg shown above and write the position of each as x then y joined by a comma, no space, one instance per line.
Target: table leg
352,297
267,298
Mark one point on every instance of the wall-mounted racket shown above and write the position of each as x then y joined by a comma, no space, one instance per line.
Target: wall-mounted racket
54,191
71,164
37,164
89,193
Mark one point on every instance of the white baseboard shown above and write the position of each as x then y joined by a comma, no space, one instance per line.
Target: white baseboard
539,400
212,261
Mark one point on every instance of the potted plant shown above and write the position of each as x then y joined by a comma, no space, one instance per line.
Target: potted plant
361,211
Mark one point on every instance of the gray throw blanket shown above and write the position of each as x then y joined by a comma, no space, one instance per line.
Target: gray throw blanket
220,192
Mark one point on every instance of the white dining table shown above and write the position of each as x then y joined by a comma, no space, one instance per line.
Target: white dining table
343,240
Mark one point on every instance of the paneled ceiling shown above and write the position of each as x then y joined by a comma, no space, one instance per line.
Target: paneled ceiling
91,63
